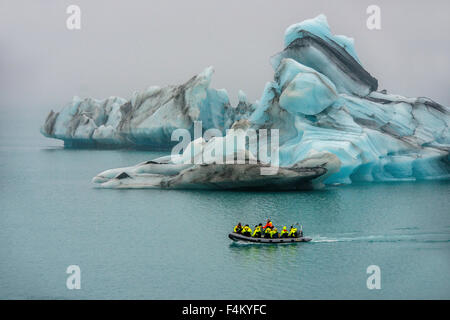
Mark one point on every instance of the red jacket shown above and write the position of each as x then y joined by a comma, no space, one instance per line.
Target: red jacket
268,224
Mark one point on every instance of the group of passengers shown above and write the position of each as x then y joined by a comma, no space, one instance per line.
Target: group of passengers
267,231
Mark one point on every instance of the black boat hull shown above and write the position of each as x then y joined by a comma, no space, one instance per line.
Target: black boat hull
239,237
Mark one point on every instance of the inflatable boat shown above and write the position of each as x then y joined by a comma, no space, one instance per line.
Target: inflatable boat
239,237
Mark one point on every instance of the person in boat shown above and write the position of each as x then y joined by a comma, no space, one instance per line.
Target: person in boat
268,224
293,232
257,232
267,232
238,228
274,233
246,231
284,232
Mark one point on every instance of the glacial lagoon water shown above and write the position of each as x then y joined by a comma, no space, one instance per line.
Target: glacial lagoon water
160,244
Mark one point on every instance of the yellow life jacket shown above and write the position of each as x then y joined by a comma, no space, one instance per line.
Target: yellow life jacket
257,230
293,231
237,227
267,230
247,229
284,231
273,232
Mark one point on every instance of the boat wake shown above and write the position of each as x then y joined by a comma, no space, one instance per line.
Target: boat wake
422,237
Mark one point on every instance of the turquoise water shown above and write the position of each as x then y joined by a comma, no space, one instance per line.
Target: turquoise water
159,244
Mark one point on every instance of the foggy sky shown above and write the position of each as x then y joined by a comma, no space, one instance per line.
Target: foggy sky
129,45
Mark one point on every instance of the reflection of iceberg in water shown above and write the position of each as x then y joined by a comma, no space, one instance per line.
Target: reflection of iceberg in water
332,123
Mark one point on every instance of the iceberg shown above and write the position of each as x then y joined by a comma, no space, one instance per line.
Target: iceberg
166,173
334,126
311,43
148,119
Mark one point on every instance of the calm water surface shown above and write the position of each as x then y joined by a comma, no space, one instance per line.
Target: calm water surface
159,244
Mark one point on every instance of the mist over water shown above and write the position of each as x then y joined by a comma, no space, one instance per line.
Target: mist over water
161,244
126,46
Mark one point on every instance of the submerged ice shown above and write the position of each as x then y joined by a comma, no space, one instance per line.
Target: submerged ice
334,126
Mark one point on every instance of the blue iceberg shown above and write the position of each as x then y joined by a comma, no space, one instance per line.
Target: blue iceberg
334,126
148,119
